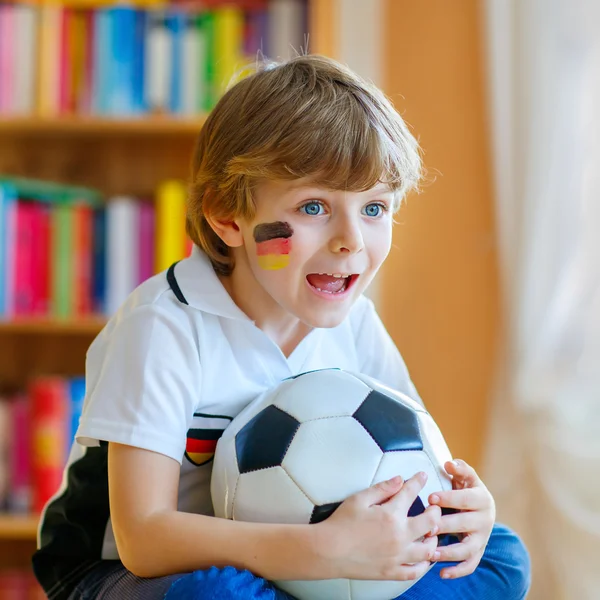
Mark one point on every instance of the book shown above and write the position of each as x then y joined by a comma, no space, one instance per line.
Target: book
50,428
121,250
8,225
24,275
19,496
228,41
157,63
4,452
82,240
7,57
286,28
146,243
61,260
170,224
25,17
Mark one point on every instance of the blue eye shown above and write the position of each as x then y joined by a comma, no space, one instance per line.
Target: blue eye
373,210
312,208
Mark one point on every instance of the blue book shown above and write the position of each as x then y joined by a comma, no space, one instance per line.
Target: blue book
122,29
139,62
176,24
99,262
76,392
8,206
102,60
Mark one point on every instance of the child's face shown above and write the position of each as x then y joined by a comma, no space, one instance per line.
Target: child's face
302,233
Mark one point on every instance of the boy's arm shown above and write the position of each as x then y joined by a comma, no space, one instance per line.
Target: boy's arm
155,539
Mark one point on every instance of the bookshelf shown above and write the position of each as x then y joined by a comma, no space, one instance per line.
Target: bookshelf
115,155
105,126
18,527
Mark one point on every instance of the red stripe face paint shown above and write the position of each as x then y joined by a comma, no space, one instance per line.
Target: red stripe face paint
273,244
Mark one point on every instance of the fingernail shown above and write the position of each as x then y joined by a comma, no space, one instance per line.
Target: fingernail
436,555
447,575
434,499
456,463
395,480
422,475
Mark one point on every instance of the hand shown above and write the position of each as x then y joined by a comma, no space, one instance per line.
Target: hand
475,521
370,535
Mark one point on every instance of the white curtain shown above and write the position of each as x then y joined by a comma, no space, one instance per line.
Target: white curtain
543,458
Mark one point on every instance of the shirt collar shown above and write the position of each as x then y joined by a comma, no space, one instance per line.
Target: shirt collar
202,288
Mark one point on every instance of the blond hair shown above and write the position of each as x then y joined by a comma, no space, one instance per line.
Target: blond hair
307,117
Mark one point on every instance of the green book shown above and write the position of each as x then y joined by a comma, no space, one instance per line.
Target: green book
61,260
206,24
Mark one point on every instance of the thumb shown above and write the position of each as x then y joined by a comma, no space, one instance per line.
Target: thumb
380,492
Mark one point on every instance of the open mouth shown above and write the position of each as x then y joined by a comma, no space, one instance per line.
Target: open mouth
331,283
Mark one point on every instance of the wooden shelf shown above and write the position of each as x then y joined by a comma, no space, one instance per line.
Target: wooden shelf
51,326
18,527
82,125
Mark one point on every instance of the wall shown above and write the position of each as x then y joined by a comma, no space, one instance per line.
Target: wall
439,290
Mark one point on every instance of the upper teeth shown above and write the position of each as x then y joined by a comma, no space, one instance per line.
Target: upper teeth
334,274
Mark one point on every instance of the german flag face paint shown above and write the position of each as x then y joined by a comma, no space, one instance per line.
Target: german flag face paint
273,244
202,438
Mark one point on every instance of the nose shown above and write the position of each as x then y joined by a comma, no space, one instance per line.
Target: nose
347,238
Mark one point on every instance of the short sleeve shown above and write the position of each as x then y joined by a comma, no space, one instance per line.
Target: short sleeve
378,356
142,381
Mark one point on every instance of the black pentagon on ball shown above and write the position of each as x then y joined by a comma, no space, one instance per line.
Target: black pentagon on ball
390,423
264,440
320,513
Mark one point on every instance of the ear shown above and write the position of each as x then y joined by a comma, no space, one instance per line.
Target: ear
228,230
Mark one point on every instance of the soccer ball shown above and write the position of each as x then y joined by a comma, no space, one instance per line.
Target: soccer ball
296,452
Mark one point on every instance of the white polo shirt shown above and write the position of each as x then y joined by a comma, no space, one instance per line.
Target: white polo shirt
168,374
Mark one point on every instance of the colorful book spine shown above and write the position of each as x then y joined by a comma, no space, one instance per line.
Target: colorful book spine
41,262
20,493
61,262
50,427
99,262
82,236
228,40
24,260
121,250
170,224
8,225
76,390
146,237
7,57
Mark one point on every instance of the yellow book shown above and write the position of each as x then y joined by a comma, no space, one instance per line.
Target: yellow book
228,45
47,89
170,223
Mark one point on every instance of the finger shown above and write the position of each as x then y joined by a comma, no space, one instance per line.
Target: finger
422,551
427,523
463,472
469,499
457,552
461,569
410,572
380,492
404,499
465,522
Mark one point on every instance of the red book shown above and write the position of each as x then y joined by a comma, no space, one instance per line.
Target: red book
82,256
23,257
49,430
41,259
19,464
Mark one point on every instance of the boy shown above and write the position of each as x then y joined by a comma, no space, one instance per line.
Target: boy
296,175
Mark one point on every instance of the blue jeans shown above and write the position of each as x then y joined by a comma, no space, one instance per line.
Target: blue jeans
503,574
